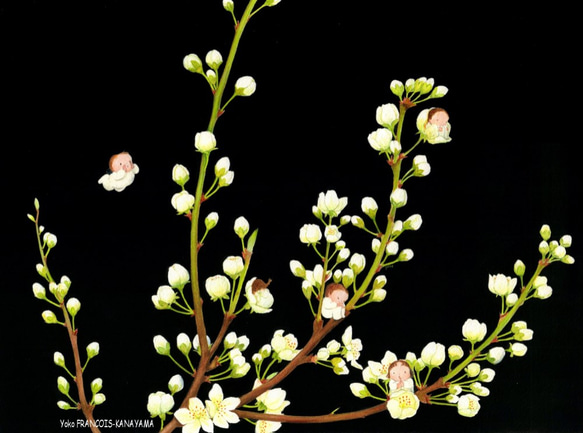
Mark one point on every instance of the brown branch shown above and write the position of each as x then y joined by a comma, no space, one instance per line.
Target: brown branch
313,419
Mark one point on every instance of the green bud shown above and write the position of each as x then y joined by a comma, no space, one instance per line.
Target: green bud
64,405
397,88
49,317
519,268
73,306
63,385
96,385
92,350
59,359
545,232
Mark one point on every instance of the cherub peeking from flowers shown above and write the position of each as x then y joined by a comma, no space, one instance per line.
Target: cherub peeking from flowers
123,171
433,124
400,376
333,306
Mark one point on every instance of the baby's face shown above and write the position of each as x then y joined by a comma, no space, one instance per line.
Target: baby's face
122,161
400,372
440,118
339,297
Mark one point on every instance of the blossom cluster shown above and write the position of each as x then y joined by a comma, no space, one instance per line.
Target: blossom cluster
336,354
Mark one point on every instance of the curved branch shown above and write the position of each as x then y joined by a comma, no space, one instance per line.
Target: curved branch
313,419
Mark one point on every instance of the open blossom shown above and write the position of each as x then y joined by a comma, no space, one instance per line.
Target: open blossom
501,285
329,203
403,404
284,346
352,348
195,417
379,370
220,409
468,405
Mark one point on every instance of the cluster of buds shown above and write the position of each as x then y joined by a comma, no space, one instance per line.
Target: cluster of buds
171,296
183,201
244,86
160,403
282,347
68,307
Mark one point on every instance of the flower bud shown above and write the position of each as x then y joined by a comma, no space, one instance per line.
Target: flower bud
387,115
397,88
161,345
183,343
406,255
228,5
211,220
222,166
73,306
378,295
205,141
233,266
214,59
50,240
519,268
39,291
180,174
379,282
178,276
357,221
176,384
357,263
159,403
455,352
96,385
92,350
566,241
63,385
359,390
218,287
380,140
399,197
241,227
297,268
474,331
98,399
59,359
64,405
473,369
517,349
245,86
182,202
413,222
310,234
192,63
369,206
439,92
495,355
49,317
420,166
433,354
545,232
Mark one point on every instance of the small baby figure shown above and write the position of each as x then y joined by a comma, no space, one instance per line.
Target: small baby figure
333,305
400,376
434,125
123,172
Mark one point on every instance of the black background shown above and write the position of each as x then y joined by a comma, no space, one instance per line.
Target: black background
83,81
